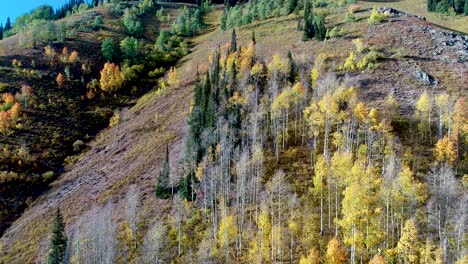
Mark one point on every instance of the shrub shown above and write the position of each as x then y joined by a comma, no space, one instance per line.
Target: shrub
98,23
77,145
376,17
115,120
133,26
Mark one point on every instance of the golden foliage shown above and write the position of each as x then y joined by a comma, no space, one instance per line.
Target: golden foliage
446,150
111,77
173,78
336,254
314,76
350,63
312,258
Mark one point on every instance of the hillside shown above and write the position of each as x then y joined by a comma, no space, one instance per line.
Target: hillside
259,198
56,119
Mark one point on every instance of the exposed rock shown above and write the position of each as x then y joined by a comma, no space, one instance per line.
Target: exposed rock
424,77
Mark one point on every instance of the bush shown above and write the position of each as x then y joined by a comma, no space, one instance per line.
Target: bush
97,23
376,17
133,26
77,145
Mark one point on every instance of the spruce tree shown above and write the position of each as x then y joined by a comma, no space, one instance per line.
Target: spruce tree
319,27
1,31
308,21
58,243
186,187
7,24
162,187
224,20
292,68
233,41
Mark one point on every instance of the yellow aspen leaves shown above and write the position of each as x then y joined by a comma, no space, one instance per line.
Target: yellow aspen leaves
350,63
336,254
446,150
173,78
314,76
111,78
408,246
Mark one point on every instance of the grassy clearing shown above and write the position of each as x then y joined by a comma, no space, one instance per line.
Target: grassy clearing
418,7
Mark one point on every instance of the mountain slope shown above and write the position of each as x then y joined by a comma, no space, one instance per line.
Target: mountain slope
132,152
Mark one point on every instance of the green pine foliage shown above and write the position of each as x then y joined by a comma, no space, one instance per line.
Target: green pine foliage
162,189
58,243
109,49
450,7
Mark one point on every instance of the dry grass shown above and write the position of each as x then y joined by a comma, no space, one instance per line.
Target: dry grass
419,8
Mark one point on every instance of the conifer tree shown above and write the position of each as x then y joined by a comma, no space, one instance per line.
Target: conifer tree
1,31
233,42
162,187
7,24
186,187
58,244
292,68
308,21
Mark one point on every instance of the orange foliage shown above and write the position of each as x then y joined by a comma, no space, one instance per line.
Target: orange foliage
60,80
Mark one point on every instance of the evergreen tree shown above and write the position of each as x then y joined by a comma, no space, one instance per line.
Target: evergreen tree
233,42
162,187
319,27
465,9
224,20
186,187
58,244
254,41
109,49
7,24
1,31
292,68
308,21
292,6
95,2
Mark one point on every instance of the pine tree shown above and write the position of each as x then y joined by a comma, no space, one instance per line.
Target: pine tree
233,42
308,21
58,244
95,2
1,31
319,27
7,24
186,187
162,187
224,17
292,68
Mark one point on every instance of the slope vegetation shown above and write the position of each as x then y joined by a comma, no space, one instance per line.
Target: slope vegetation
121,166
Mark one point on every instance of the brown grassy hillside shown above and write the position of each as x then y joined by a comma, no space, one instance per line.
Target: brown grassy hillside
54,118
